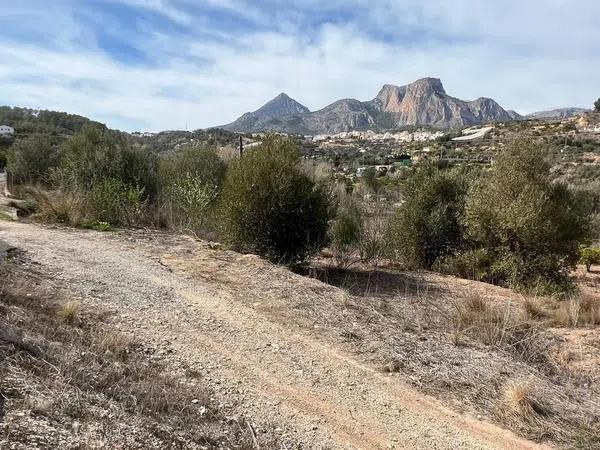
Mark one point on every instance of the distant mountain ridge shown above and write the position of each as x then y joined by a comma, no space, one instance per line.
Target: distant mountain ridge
558,113
421,103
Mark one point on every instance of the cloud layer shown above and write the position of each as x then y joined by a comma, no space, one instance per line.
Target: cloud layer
176,64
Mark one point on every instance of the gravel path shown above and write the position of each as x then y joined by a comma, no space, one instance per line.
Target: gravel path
184,302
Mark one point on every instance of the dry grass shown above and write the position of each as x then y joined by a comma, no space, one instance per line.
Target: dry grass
501,327
68,311
87,375
66,207
583,310
519,400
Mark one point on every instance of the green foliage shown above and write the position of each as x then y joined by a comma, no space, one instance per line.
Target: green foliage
28,122
194,198
3,158
589,256
92,156
196,161
191,180
270,207
116,179
345,234
430,223
116,202
597,105
139,167
97,225
32,160
531,226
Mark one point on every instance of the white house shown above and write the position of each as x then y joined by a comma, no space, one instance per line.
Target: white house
5,130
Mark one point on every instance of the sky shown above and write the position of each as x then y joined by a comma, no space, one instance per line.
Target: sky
151,65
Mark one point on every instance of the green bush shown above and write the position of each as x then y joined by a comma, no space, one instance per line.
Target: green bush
92,156
270,208
32,160
429,225
139,167
191,180
116,202
531,226
345,234
194,199
589,256
198,161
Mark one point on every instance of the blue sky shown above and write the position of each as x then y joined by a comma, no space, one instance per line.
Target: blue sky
176,64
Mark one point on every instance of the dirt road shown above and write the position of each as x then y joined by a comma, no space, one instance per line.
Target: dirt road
212,311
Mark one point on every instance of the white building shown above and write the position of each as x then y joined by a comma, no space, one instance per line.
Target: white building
5,130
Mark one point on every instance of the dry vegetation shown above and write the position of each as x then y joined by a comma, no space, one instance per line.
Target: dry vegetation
69,380
530,363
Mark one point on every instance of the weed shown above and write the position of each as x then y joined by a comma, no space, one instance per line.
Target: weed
97,225
69,311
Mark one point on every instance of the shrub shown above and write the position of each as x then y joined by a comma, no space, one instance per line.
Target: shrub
61,206
589,256
198,161
530,227
194,199
115,202
429,225
191,181
92,156
270,208
139,167
345,234
32,160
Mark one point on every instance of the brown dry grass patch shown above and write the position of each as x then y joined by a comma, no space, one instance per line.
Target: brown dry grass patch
63,367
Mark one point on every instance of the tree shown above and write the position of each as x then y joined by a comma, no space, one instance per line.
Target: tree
529,227
429,225
597,105
270,207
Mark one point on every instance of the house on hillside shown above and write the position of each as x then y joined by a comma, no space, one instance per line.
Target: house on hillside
5,130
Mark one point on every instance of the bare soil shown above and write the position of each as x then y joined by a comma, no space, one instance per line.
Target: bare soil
375,363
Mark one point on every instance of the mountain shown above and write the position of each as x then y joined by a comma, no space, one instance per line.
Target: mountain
559,113
281,106
422,103
514,115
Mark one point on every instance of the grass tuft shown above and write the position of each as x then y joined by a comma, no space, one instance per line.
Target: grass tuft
69,311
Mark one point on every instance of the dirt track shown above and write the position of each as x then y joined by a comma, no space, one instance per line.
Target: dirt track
179,298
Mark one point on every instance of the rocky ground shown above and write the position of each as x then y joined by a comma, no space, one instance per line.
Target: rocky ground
288,361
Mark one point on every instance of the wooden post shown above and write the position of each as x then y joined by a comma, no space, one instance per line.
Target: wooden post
241,147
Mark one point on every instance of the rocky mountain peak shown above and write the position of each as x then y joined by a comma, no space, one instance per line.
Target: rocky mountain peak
423,102
427,86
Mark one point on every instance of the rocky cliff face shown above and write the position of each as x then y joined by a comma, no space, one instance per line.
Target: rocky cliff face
280,107
422,103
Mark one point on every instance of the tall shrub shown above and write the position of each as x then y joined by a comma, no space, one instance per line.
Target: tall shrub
429,225
191,180
32,160
270,207
531,226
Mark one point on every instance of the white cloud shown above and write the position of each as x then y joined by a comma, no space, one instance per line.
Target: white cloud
527,58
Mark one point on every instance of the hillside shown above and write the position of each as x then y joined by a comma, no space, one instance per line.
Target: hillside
559,113
290,358
28,121
422,103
